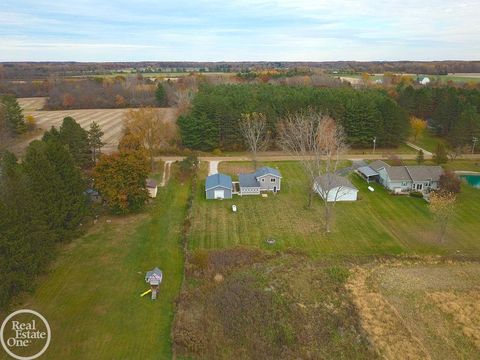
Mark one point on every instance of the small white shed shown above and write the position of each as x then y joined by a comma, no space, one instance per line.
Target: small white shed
335,188
152,188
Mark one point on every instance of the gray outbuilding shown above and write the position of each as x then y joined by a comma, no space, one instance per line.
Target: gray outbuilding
218,186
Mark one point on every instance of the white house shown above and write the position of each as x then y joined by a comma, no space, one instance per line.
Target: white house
335,188
424,80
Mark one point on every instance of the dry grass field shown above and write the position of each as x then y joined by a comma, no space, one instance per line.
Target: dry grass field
32,104
246,303
110,120
420,309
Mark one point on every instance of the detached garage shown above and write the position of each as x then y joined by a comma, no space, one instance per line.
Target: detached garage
218,186
335,188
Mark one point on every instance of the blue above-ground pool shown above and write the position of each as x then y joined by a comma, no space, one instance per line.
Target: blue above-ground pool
473,180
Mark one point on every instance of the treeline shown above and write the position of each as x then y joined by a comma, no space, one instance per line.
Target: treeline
42,203
41,70
212,122
45,198
117,92
451,112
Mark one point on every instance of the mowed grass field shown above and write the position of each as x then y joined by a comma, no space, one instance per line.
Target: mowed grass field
110,120
377,224
429,141
91,297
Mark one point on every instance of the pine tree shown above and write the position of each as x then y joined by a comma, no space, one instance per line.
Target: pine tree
13,115
420,157
26,242
95,140
161,95
56,185
440,156
76,139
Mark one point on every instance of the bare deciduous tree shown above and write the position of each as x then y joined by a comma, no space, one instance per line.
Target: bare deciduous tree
253,127
148,125
318,141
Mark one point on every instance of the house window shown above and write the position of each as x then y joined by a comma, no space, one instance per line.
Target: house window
272,180
263,180
419,186
404,184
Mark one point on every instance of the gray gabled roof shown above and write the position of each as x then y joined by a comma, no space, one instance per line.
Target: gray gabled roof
218,180
398,173
267,171
248,180
330,181
378,164
425,173
367,171
151,183
154,276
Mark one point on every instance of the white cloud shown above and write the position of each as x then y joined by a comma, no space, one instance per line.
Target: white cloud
311,30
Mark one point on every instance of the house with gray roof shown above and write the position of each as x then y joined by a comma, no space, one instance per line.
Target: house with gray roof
400,179
264,179
334,187
218,186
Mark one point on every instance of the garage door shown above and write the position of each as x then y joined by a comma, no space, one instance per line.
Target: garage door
219,194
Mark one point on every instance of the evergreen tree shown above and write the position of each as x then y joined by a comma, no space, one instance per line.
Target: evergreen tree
466,127
26,242
420,157
13,115
56,185
76,139
440,156
161,95
95,140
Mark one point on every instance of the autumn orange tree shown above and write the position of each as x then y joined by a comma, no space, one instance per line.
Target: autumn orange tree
120,178
418,127
151,129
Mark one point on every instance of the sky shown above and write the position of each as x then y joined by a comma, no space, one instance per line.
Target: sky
243,30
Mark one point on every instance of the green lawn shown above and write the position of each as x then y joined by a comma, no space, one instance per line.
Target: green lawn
377,224
91,297
428,141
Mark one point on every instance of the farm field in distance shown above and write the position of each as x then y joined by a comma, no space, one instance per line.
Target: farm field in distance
377,224
110,120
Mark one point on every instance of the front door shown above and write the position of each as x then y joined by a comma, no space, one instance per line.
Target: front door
274,189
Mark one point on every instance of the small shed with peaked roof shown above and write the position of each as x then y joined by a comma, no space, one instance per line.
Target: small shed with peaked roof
154,277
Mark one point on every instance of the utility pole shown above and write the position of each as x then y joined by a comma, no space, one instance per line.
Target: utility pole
474,140
374,143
